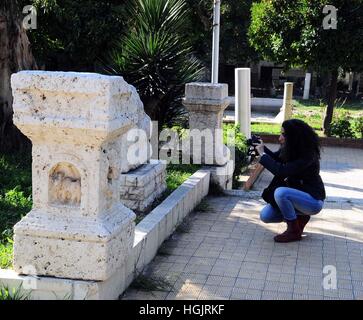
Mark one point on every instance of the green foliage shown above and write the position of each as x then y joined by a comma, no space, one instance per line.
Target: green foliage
265,128
344,125
235,19
358,127
156,57
341,128
73,35
12,294
178,173
234,139
6,254
291,32
15,199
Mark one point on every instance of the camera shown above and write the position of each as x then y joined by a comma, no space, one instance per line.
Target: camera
252,152
254,139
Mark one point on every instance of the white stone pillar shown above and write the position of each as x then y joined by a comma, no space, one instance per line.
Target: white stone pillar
350,81
206,103
287,102
78,228
307,86
243,100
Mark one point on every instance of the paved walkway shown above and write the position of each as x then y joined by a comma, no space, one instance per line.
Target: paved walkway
224,251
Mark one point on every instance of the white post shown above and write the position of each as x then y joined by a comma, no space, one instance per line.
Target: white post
215,48
243,100
350,81
307,86
287,102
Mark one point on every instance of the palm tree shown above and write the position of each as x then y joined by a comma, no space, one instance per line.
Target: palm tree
156,57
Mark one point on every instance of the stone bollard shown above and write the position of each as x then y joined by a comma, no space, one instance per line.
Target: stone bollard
78,228
206,103
243,100
287,102
307,83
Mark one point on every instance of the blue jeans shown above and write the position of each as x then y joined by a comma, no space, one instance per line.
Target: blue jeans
290,202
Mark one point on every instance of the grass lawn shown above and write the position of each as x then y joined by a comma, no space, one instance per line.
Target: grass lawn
312,112
178,173
16,189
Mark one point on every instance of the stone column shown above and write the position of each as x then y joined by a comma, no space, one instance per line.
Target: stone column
206,103
287,102
307,86
78,228
243,100
350,81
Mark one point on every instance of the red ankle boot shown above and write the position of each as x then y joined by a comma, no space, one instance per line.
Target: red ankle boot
292,233
303,220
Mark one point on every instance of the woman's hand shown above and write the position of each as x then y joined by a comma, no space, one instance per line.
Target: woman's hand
260,148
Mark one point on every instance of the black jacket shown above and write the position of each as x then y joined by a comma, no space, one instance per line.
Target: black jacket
302,174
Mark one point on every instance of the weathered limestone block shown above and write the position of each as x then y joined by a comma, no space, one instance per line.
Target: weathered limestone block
78,227
206,103
286,109
140,187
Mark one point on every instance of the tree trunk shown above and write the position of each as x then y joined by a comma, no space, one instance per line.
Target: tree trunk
15,55
332,95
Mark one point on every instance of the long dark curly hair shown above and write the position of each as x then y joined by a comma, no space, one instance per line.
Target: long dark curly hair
301,141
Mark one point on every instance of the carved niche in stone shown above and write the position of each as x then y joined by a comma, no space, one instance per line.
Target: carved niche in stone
65,185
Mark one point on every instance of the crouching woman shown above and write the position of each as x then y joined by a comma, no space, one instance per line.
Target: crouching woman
297,190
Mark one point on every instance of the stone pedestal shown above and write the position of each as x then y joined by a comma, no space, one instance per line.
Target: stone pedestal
78,228
206,103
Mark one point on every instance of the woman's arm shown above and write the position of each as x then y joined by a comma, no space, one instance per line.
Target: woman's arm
284,170
272,154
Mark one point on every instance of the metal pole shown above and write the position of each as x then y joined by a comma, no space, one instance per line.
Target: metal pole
216,28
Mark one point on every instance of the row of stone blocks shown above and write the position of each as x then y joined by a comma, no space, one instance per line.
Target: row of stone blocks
140,187
150,233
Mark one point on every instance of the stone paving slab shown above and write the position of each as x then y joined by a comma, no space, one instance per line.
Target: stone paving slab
245,263
228,253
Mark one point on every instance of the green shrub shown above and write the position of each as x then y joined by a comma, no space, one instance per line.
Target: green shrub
341,128
15,200
6,254
15,294
233,138
358,127
156,57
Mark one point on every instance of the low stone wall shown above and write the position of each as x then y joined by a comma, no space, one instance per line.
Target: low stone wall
140,187
150,233
261,104
325,141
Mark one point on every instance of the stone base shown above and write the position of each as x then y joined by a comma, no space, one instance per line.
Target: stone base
150,233
49,288
73,247
222,176
140,187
